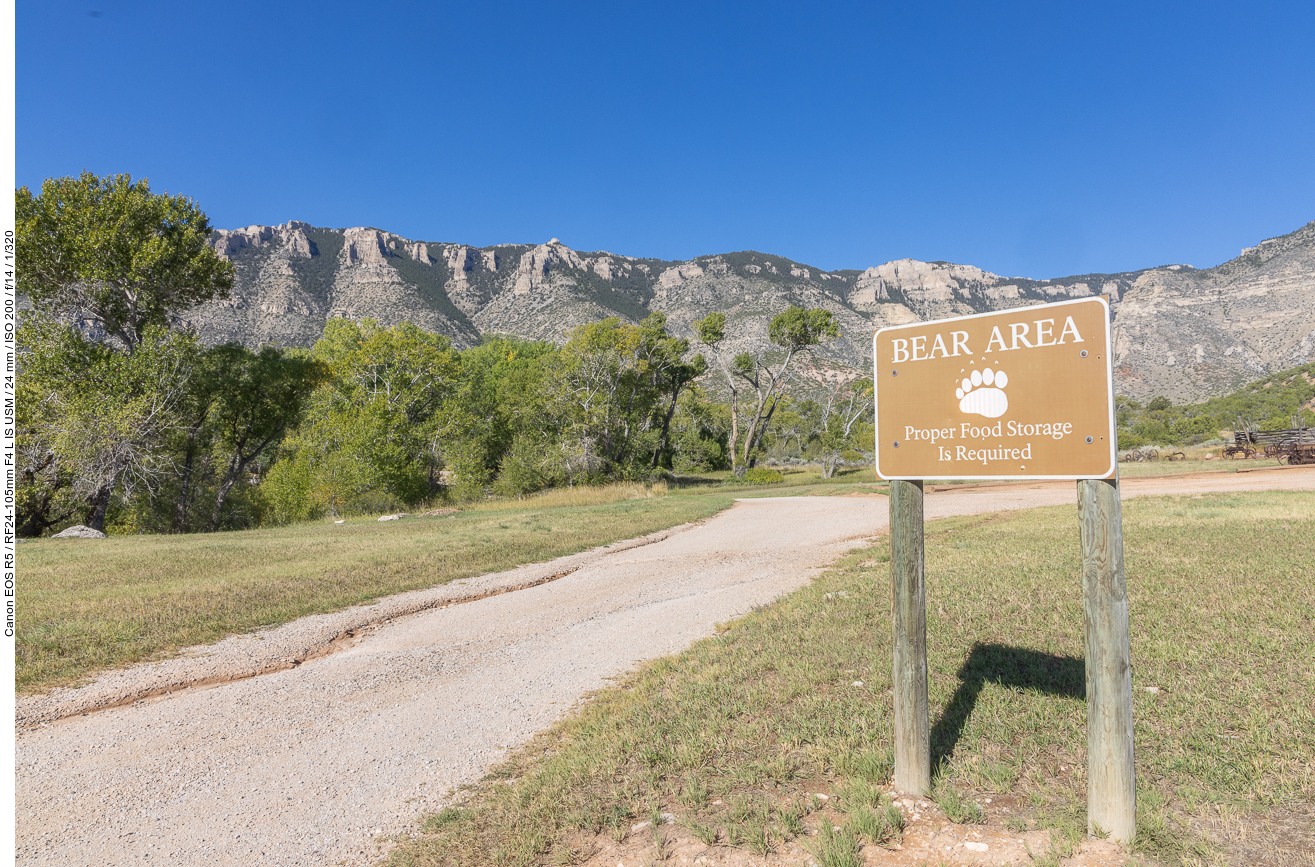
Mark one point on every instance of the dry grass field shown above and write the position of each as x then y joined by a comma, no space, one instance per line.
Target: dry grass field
91,605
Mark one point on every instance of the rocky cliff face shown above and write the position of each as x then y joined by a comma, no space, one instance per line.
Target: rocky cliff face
1186,333
1181,332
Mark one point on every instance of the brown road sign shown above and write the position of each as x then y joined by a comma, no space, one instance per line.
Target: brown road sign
1021,394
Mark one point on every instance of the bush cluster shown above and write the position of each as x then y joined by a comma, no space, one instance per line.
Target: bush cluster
1274,403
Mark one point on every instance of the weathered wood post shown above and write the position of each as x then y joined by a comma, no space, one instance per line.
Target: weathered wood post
957,398
909,619
1111,780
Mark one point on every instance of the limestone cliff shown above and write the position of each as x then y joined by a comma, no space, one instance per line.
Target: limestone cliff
1181,332
1185,333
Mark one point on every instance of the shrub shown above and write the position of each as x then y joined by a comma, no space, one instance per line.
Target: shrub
286,492
522,469
1130,440
762,476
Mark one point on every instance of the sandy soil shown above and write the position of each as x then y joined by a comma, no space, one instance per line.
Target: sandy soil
315,742
929,839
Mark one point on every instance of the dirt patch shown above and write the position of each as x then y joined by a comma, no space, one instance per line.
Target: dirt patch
928,838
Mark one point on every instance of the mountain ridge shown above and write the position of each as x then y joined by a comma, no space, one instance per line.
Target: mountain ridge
1179,331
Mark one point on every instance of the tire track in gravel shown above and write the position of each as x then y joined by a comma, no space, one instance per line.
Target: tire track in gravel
267,651
316,763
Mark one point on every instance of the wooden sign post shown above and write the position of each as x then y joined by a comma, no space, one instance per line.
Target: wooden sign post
1111,782
909,616
1021,394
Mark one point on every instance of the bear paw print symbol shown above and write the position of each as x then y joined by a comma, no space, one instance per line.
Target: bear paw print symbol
982,393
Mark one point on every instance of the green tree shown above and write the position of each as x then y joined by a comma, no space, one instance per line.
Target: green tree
612,392
44,490
670,375
101,417
108,268
841,422
711,331
699,433
369,435
600,397
495,422
762,381
112,256
257,398
193,438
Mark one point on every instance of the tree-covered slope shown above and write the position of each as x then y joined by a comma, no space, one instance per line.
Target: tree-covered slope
1276,402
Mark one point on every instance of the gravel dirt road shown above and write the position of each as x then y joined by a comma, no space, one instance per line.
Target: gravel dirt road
365,719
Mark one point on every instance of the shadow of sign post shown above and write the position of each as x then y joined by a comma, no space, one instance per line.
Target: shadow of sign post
1012,667
1022,394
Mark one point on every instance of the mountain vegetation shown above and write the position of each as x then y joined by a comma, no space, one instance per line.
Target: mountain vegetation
128,420
519,368
1182,332
372,419
1280,401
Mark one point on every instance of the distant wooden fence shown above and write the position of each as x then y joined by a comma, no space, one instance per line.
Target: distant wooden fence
1291,446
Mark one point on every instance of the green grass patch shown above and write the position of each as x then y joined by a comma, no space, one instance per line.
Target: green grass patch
85,606
735,735
1193,464
795,481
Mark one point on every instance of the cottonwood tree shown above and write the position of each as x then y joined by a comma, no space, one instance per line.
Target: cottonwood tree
44,495
102,416
840,419
791,429
257,397
108,268
670,374
367,431
237,408
494,422
757,385
600,396
614,388
111,256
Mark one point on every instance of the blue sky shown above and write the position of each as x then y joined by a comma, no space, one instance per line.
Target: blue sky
1030,139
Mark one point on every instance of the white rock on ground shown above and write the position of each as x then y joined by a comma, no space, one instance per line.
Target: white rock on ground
78,531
